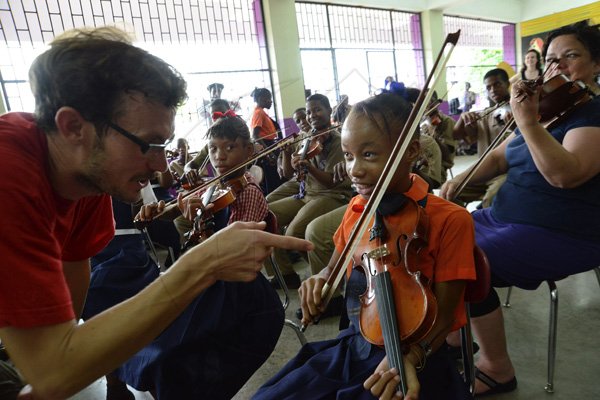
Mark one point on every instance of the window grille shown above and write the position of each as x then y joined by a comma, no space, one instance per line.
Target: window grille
204,39
351,43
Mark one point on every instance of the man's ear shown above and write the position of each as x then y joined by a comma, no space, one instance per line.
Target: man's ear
70,124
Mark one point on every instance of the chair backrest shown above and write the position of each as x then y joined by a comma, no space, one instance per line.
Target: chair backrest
271,220
478,289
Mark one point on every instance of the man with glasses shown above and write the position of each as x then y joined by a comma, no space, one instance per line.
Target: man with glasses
104,114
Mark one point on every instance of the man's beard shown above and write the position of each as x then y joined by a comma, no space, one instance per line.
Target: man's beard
94,176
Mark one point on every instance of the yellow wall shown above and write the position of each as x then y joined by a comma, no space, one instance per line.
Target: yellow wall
553,21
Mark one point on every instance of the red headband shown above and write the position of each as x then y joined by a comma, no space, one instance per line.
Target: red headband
218,114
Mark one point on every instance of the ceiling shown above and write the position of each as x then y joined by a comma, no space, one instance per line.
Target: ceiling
506,10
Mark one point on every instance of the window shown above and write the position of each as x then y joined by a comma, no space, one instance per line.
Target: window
206,40
481,47
350,50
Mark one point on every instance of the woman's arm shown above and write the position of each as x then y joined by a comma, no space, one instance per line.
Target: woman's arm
565,165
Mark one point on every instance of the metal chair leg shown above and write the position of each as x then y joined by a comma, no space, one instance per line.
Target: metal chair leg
297,329
507,301
552,335
286,301
281,281
597,271
466,344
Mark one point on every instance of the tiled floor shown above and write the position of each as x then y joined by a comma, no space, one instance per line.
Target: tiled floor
577,362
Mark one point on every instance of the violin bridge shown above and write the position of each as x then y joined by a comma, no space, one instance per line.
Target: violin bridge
379,253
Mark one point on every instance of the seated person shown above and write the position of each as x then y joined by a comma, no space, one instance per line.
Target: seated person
291,186
483,128
191,169
440,127
349,367
176,166
544,223
428,165
318,193
228,331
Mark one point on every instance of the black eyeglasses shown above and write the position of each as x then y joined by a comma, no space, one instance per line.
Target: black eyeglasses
145,147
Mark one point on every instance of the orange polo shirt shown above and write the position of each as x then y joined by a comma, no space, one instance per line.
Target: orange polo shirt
449,252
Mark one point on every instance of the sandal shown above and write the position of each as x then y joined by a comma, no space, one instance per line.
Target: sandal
495,386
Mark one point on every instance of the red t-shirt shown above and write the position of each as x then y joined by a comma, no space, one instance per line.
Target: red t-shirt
451,239
40,229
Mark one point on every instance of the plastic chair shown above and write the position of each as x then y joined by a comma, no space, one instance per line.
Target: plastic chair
272,227
475,291
552,326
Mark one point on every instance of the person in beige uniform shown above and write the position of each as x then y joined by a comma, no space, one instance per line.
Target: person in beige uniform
483,127
318,193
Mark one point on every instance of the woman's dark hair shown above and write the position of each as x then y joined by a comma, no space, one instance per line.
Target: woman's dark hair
588,35
230,128
538,64
387,111
257,93
321,98
91,71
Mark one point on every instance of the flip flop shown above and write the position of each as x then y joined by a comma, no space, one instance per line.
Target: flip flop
495,386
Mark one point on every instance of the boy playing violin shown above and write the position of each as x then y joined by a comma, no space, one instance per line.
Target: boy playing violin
318,192
349,367
228,331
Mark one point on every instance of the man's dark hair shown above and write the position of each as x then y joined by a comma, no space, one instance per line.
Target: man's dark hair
301,109
498,72
91,71
321,98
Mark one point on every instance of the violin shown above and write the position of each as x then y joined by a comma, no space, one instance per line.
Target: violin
559,95
219,196
499,111
415,304
310,148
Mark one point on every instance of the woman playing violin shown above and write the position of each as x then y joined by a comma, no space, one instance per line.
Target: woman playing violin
349,367
544,223
232,328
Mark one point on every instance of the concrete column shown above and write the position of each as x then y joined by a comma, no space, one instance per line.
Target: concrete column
432,23
2,106
283,47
